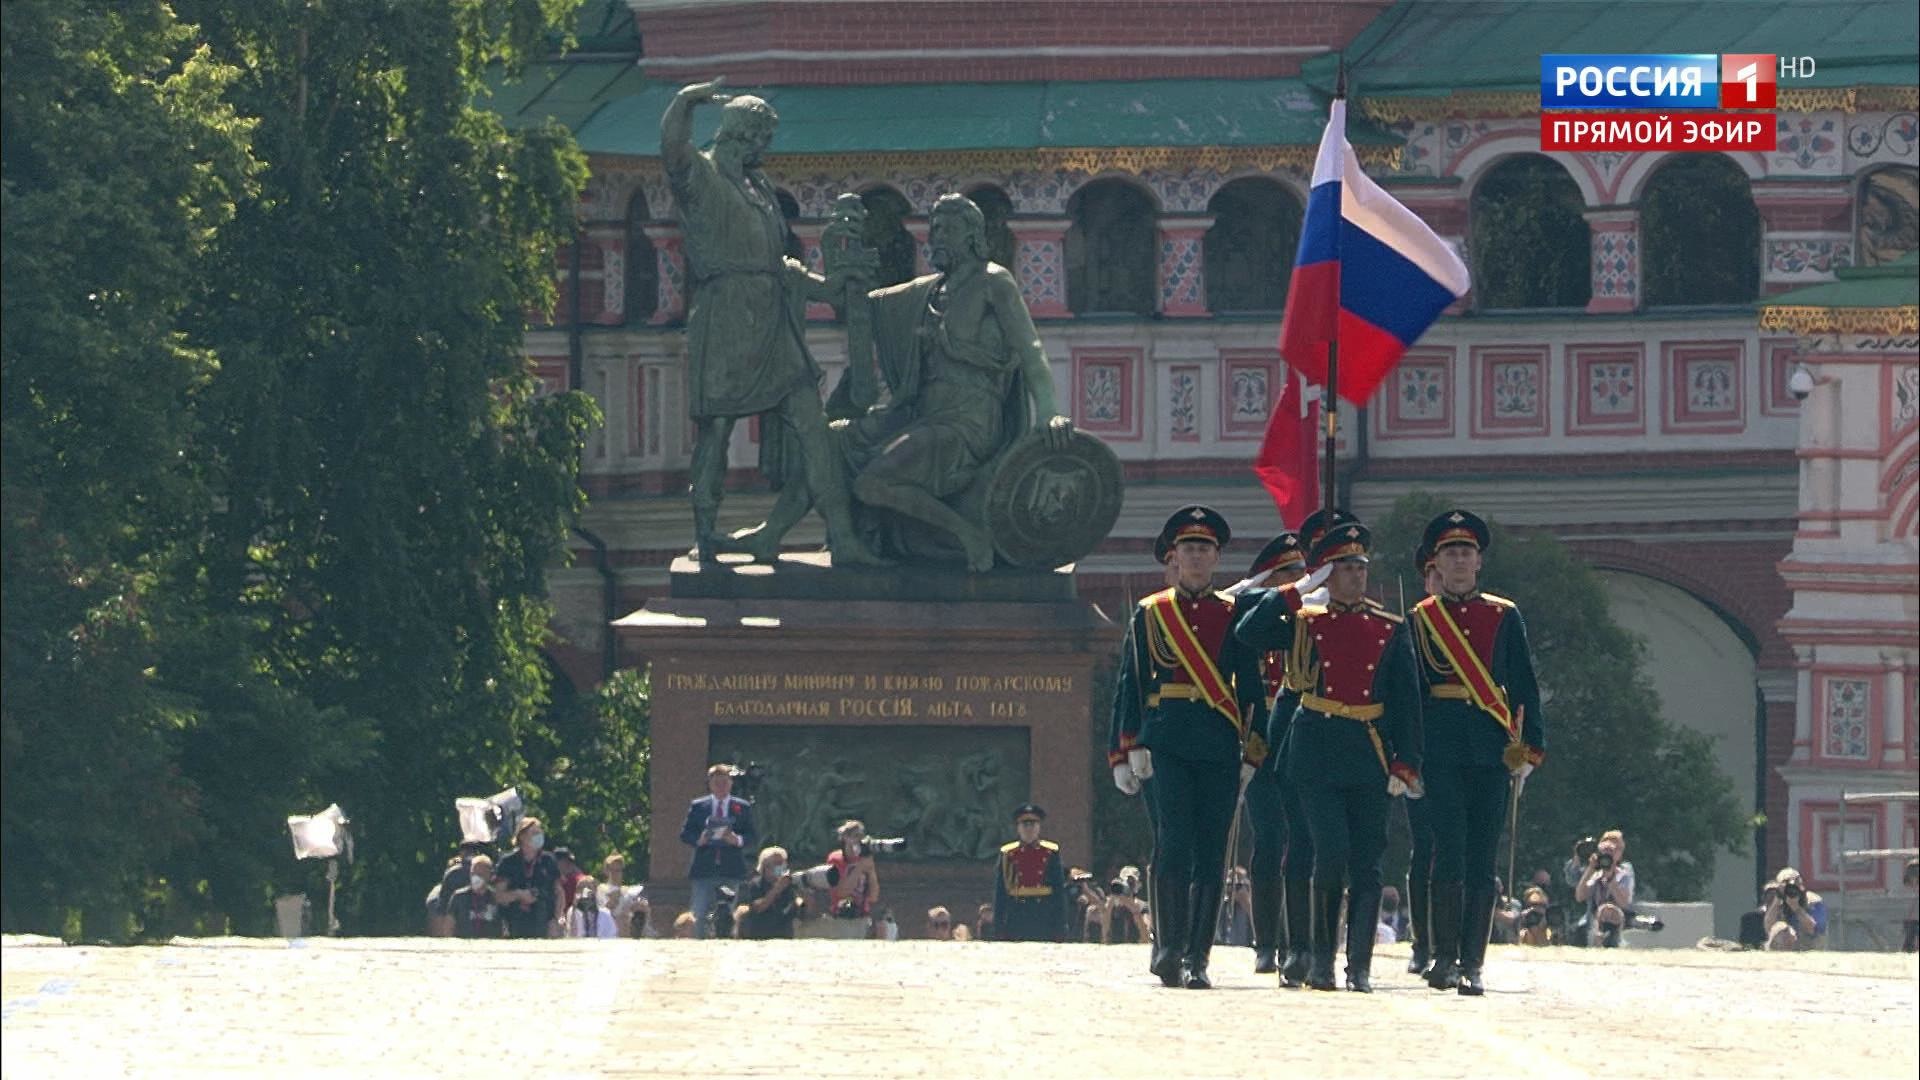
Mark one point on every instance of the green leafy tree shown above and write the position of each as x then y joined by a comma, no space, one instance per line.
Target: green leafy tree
279,495
1700,233
1530,243
120,160
392,489
1613,759
592,761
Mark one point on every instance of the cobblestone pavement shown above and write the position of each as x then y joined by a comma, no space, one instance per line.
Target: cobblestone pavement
418,1007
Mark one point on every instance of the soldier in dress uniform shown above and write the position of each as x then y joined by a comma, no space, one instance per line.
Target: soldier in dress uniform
1420,827
1030,887
1355,738
1483,730
1186,694
1267,799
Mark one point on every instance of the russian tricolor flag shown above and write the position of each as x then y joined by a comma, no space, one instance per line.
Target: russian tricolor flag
1369,275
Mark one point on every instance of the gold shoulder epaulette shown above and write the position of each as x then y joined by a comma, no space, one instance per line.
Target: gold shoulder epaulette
1151,597
1009,846
1500,600
1050,845
1312,611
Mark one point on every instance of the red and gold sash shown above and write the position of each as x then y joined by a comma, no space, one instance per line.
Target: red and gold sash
1164,610
1452,643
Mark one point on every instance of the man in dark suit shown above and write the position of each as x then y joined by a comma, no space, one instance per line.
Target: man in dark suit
720,830
1185,696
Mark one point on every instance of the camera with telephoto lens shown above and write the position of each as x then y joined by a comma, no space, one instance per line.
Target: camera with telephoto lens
1584,848
823,877
1791,890
890,845
720,917
1603,860
1532,918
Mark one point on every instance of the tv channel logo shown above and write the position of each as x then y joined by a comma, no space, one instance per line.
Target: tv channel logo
1657,81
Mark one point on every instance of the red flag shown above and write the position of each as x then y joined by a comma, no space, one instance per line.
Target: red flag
1288,464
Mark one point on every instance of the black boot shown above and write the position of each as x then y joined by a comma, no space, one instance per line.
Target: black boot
1474,932
1418,910
1326,916
1169,931
1266,927
1443,917
1203,914
1363,917
1298,897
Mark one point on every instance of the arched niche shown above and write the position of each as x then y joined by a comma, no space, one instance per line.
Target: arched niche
1699,233
1531,247
1249,250
1110,249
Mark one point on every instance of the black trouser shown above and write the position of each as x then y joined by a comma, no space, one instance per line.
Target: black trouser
1349,829
1267,814
1297,862
1419,869
1467,806
1192,806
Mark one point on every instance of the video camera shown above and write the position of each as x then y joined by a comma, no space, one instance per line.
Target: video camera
492,820
748,781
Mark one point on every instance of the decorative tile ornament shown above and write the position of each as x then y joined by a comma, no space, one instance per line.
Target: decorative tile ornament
1249,383
1703,390
1182,289
1183,403
1606,390
1510,390
1849,709
1418,399
1106,391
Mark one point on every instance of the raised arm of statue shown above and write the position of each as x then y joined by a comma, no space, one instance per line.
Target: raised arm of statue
1016,328
676,124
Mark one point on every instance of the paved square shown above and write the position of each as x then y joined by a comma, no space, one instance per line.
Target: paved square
420,1007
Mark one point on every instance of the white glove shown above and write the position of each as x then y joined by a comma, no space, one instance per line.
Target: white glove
1396,787
1246,774
1125,780
1140,760
1525,770
1313,581
1316,598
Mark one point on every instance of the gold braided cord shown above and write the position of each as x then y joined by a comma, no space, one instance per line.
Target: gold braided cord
1841,320
1088,159
1159,649
1470,105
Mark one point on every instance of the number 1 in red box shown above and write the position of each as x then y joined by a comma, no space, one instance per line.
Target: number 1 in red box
1748,80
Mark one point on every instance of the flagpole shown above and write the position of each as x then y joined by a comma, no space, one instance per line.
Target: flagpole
1330,392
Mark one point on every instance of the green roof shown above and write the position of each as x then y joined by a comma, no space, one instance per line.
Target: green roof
995,116
1434,47
1890,285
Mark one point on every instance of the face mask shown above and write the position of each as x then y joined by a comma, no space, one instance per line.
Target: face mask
539,840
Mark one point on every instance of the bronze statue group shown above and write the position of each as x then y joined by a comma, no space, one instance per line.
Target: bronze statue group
1296,690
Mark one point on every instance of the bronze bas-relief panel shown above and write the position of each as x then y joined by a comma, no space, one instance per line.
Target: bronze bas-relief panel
948,790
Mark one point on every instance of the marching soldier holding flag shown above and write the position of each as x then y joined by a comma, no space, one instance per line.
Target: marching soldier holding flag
1483,733
1355,740
1185,696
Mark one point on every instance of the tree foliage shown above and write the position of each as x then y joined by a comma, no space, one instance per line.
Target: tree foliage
1613,758
279,494
1530,240
1699,233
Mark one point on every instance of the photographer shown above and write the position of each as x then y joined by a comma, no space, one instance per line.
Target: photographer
1606,888
1532,927
1795,919
858,889
527,884
770,902
718,829
471,908
1128,922
588,917
623,900
1090,904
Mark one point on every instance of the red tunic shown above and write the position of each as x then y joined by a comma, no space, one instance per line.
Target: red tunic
1026,868
1210,617
1349,645
1479,619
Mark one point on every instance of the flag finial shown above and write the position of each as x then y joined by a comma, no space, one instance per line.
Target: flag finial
1340,78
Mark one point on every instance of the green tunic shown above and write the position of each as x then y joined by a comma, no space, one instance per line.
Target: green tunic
746,350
